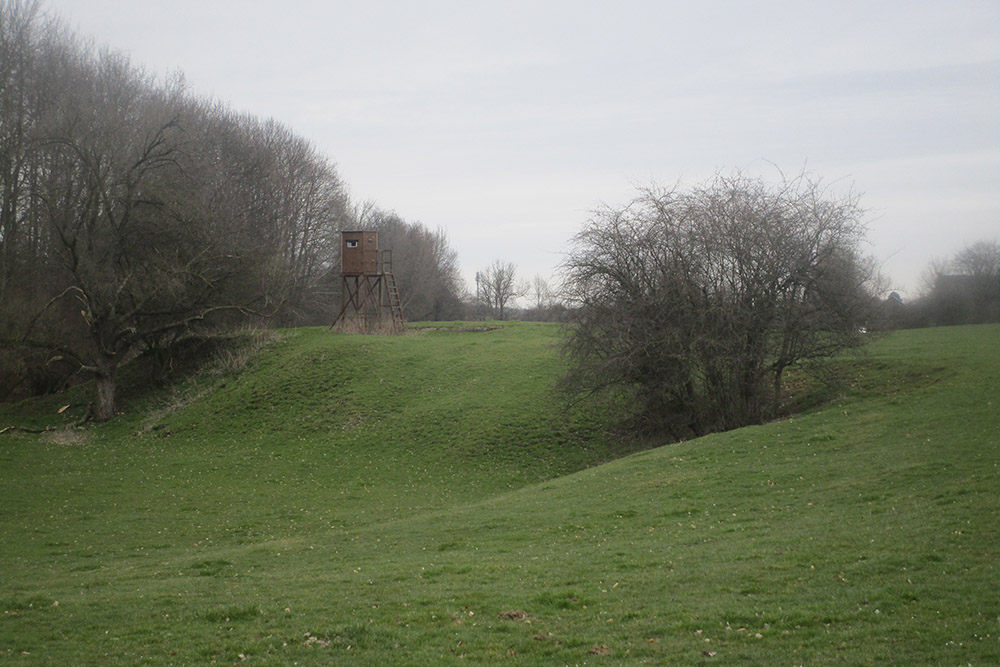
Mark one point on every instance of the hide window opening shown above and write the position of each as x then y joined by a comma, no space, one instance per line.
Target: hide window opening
352,244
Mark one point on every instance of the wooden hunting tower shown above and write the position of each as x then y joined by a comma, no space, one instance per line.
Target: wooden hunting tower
369,297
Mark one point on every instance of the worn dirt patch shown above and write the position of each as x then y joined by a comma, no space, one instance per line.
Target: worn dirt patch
66,436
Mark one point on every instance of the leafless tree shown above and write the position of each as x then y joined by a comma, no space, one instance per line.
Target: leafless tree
499,287
129,249
134,215
18,34
541,293
130,260
695,303
281,203
544,303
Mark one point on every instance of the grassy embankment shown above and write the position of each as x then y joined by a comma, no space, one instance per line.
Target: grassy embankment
426,499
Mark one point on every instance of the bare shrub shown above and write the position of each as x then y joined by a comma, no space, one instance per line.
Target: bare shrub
690,305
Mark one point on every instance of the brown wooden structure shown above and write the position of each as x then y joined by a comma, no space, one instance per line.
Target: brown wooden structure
370,298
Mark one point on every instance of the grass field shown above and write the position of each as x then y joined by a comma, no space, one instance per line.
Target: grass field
427,499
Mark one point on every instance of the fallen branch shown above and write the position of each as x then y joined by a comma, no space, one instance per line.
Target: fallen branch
27,429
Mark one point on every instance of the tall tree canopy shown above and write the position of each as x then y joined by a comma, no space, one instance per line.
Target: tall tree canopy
134,214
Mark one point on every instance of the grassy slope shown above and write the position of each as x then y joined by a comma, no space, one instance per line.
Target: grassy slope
394,507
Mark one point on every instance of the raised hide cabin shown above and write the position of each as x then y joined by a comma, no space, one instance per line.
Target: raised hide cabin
370,298
359,254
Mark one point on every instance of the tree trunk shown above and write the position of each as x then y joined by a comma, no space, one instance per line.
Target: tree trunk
776,389
105,408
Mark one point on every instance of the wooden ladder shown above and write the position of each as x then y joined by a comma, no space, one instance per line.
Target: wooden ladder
395,307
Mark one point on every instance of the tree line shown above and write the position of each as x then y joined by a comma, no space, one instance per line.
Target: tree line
135,214
962,289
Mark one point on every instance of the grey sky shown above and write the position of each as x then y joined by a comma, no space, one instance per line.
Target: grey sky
505,122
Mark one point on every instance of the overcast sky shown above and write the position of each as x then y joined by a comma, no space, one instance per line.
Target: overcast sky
507,122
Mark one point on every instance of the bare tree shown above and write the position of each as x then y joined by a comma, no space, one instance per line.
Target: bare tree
695,303
133,215
499,287
544,303
283,204
541,293
129,263
22,265
18,33
132,256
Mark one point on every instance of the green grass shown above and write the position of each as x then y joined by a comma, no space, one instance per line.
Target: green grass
426,499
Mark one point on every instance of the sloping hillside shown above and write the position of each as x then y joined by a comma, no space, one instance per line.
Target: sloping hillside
410,501
326,430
